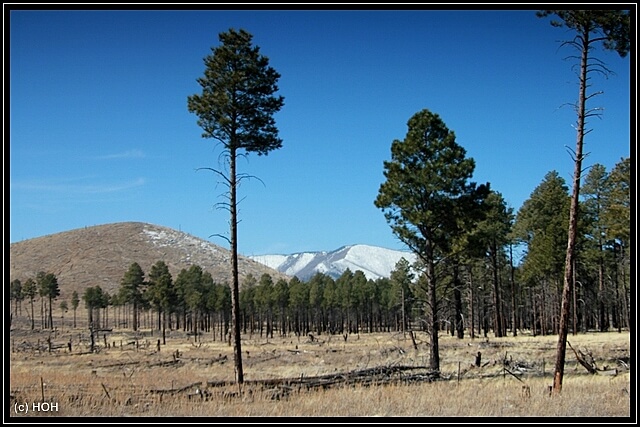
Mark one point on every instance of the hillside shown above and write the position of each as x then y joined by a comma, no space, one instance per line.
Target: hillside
100,255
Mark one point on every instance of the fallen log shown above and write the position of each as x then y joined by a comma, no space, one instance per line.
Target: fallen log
167,363
590,365
609,372
177,390
377,375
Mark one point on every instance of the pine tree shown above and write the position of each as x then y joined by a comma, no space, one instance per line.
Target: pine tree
75,301
161,293
49,288
29,290
428,200
132,290
236,108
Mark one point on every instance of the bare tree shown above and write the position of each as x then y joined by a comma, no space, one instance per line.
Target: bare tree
612,28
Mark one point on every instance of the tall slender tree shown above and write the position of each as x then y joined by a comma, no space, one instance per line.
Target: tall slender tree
161,293
15,293
95,299
236,108
75,301
594,192
132,288
491,235
400,280
617,218
298,301
617,215
541,224
428,200
49,288
281,294
247,306
29,290
612,28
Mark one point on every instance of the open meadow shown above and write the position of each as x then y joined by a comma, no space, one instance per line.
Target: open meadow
379,374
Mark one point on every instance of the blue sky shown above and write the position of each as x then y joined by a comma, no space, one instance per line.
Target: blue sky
100,132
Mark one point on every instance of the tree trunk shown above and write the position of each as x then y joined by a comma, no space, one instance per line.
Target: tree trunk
33,325
135,316
434,357
573,222
235,294
497,326
471,306
514,306
164,327
457,295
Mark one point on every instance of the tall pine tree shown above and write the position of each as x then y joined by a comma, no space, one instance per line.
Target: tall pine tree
236,108
428,200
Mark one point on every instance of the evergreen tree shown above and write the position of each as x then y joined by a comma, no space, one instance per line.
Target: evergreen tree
236,108
247,298
344,294
400,296
95,299
428,200
161,293
208,288
264,301
181,284
594,191
281,301
299,302
49,288
491,234
29,290
541,223
223,306
617,213
15,293
75,301
132,288
193,294
617,219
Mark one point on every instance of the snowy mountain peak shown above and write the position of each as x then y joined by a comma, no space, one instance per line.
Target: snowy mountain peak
374,261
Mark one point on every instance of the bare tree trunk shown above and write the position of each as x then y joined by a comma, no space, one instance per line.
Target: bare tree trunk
235,294
33,319
471,305
497,325
514,306
164,327
434,357
573,224
457,294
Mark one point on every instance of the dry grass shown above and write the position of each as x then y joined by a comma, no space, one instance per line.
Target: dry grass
124,382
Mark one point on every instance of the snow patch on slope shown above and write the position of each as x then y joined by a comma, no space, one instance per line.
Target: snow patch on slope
161,237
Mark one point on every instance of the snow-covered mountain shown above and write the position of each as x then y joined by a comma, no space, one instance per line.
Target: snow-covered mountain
374,261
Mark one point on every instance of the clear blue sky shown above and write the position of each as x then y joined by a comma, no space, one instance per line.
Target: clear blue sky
100,132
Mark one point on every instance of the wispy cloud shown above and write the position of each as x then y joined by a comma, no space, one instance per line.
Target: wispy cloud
65,187
129,154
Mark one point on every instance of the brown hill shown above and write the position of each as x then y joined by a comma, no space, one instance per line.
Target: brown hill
101,255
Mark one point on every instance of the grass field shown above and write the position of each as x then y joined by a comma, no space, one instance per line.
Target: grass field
185,378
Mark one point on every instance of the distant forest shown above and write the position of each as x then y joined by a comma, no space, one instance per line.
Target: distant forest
480,292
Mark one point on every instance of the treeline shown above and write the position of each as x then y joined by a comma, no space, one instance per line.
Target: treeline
481,290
